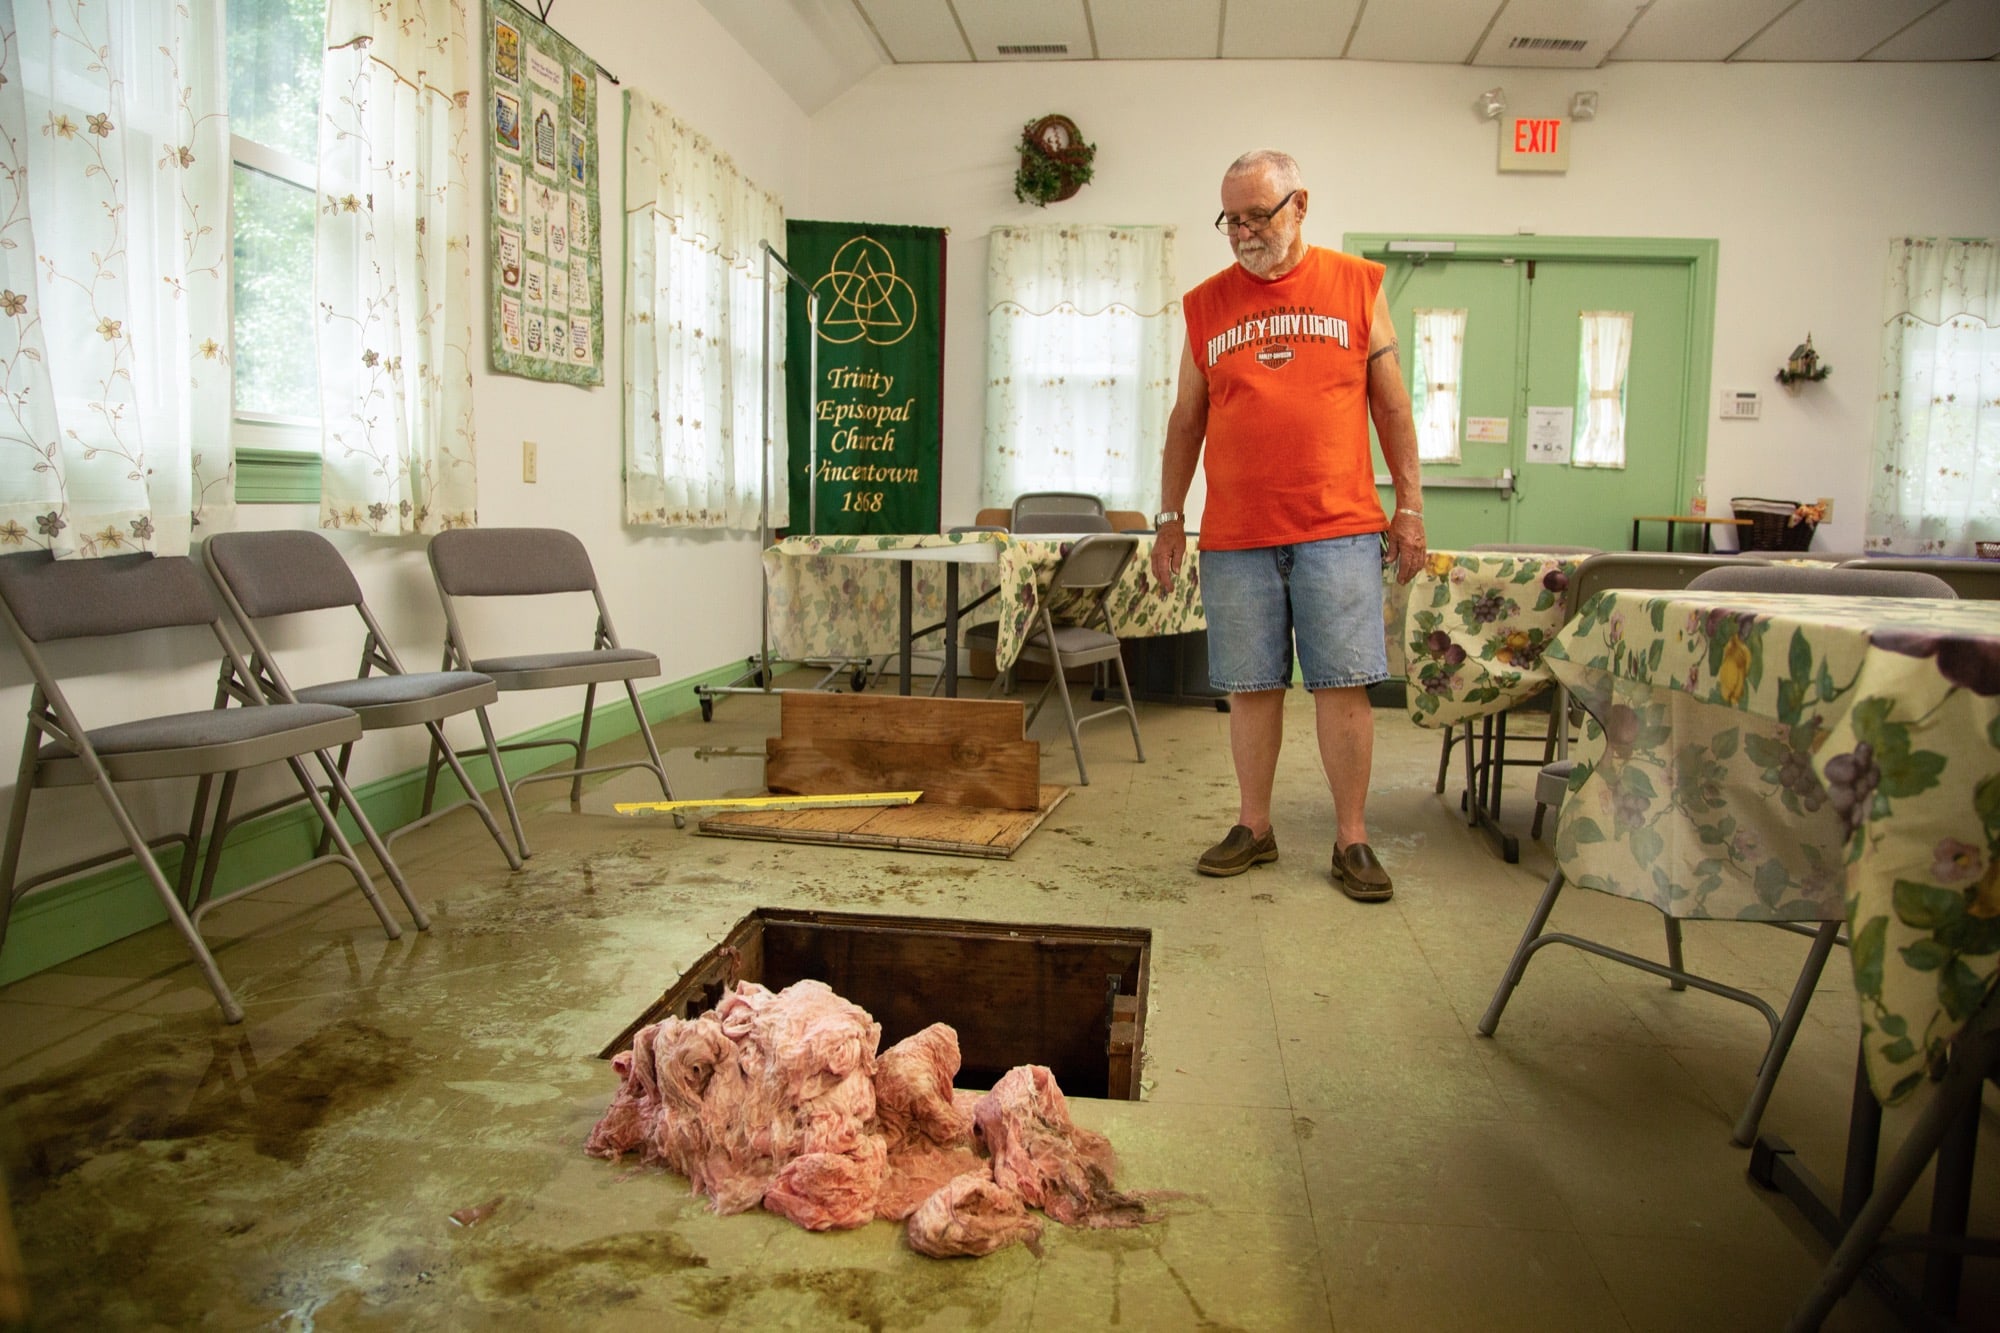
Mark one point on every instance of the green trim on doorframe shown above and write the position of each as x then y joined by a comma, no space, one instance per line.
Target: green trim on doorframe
1701,255
94,910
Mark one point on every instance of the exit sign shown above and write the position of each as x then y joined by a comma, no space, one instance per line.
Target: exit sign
1534,143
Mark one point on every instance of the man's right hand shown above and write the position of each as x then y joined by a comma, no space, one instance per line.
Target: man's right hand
1169,549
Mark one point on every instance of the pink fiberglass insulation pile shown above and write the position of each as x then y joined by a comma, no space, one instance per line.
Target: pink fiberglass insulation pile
781,1099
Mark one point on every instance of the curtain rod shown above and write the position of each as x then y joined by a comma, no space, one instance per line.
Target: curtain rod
545,7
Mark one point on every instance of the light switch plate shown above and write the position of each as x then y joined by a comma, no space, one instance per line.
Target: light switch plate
528,461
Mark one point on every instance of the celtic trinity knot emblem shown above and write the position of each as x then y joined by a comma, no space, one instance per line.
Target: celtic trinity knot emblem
861,296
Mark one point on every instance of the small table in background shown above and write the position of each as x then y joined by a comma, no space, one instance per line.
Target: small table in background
1708,523
839,596
1467,634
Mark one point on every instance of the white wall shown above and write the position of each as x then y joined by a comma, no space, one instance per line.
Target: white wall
1802,172
693,599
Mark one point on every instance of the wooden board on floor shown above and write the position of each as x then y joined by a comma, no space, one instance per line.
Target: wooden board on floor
946,830
959,752
812,715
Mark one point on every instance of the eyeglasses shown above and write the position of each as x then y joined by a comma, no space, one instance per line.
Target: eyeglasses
1251,221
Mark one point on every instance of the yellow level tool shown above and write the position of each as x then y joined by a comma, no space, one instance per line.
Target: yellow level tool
723,803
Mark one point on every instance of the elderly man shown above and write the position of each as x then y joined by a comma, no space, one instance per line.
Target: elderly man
1290,353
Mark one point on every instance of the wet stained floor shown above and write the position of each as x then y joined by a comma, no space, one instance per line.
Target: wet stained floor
1356,1157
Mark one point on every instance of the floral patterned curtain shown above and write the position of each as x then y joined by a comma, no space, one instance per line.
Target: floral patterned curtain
1936,469
694,341
1440,340
1083,338
394,266
114,307
1603,359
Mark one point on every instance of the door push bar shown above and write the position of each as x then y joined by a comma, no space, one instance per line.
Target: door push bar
1504,483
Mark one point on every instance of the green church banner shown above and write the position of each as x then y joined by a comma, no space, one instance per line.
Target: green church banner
876,440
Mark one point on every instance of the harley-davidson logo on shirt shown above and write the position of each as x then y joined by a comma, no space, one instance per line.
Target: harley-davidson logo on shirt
1272,325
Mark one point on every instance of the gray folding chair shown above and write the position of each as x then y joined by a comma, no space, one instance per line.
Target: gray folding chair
1058,511
1730,576
1824,581
267,574
43,601
536,562
1972,580
1083,583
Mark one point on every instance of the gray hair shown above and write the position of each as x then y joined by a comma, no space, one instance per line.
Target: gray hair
1281,165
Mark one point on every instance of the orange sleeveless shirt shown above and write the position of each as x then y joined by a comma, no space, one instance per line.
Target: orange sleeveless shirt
1286,361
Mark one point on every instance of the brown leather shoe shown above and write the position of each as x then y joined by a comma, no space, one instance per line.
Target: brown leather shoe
1359,875
1238,851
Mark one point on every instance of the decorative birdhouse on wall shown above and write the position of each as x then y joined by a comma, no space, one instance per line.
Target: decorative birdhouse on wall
1803,367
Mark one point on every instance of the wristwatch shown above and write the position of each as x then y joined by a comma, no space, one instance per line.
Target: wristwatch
1166,516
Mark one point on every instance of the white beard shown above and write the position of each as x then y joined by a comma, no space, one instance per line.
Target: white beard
1259,256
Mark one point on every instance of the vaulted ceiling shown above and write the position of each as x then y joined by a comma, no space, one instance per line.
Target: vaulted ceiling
816,49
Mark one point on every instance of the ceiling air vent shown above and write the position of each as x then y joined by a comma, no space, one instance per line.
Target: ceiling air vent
1547,44
1034,49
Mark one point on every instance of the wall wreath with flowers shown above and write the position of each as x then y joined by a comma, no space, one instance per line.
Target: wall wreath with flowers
1055,161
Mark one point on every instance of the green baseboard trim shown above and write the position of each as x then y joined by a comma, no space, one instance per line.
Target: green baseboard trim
93,910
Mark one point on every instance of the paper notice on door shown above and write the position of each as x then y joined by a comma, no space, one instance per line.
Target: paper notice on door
1486,430
1549,431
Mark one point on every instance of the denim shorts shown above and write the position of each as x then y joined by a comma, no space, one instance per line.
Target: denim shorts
1326,594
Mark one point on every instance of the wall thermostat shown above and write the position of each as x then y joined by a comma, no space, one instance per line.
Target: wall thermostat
1741,405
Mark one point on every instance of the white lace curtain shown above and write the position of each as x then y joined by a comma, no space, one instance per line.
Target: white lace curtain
393,261
1083,339
694,306
114,199
1936,466
1602,362
1440,361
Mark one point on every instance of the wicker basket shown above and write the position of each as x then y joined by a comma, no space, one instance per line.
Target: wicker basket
1771,526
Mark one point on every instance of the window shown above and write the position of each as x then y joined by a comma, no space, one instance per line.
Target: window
114,319
1435,397
275,49
1604,355
694,332
1936,472
1083,338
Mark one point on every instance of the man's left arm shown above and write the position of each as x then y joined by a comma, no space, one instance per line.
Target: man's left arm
1396,427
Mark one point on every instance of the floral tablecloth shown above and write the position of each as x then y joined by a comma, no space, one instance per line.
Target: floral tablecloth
1782,757
1468,631
824,606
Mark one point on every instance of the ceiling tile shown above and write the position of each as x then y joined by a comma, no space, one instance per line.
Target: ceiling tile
994,23
1444,32
1696,29
1960,30
1560,34
1832,29
916,31
1286,29
1156,29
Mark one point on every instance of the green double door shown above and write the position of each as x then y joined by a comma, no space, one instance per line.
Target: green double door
1524,299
